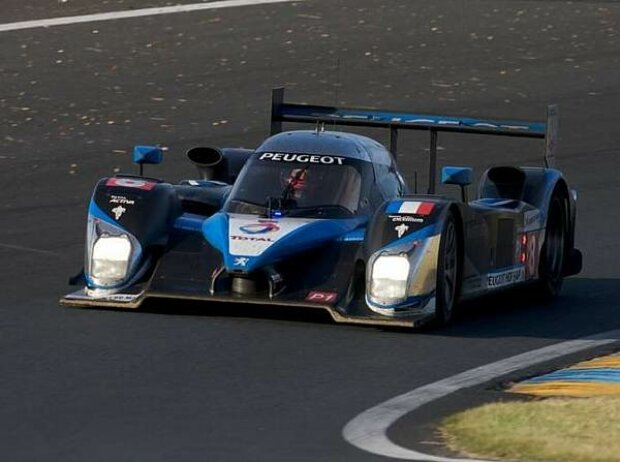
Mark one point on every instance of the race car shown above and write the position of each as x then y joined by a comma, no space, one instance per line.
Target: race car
324,219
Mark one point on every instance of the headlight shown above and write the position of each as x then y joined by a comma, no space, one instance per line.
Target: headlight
388,279
110,259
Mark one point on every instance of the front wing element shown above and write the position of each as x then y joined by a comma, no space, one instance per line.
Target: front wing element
355,313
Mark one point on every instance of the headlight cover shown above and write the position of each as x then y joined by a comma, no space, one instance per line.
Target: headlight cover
110,259
388,279
112,255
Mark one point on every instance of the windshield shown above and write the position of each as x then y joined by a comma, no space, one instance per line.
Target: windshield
296,185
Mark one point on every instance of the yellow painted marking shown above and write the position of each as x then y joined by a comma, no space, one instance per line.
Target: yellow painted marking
605,361
576,389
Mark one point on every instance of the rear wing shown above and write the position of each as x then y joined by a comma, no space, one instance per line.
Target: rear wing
395,120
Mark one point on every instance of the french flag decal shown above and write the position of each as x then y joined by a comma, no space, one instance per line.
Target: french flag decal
411,207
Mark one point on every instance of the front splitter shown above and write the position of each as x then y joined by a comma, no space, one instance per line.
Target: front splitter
356,314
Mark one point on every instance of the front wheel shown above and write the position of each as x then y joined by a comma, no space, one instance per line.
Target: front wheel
448,264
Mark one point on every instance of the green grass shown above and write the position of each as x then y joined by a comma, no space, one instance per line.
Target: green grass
550,430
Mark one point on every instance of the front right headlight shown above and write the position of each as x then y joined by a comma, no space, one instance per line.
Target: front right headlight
112,256
388,279
110,259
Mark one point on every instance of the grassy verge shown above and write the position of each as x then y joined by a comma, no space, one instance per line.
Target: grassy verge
550,430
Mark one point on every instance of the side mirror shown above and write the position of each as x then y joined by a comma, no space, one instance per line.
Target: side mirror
456,175
147,155
461,176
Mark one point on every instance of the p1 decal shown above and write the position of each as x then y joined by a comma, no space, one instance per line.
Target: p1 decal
321,297
411,208
262,227
131,183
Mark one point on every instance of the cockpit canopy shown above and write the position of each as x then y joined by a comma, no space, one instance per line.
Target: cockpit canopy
297,184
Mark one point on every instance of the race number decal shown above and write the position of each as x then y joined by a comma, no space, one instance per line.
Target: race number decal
131,183
531,267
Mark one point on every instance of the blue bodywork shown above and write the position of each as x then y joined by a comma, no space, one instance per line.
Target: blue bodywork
313,234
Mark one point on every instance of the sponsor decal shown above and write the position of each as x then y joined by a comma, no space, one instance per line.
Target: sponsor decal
118,212
405,219
531,217
505,278
321,297
401,229
121,200
250,236
241,261
531,267
411,208
435,120
122,297
235,237
262,227
131,183
302,158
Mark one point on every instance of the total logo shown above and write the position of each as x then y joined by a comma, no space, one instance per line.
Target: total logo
235,237
262,227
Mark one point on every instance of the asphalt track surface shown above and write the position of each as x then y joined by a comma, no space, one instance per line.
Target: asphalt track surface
189,383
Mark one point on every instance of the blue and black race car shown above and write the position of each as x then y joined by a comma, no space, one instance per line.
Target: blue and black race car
324,219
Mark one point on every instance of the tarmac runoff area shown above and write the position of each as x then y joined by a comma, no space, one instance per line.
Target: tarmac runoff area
597,377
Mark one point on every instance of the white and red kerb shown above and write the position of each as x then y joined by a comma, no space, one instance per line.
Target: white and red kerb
416,208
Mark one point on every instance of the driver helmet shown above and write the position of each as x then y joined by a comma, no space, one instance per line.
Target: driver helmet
297,181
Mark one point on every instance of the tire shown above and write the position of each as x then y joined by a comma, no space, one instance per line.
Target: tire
553,252
448,271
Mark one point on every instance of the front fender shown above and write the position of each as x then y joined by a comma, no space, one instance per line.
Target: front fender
411,228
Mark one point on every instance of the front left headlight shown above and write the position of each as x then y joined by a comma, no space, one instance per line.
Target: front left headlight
110,259
388,279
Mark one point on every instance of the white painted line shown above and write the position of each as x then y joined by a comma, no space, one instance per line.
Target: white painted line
114,15
28,249
368,431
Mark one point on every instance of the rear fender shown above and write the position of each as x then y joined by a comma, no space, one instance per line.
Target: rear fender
537,190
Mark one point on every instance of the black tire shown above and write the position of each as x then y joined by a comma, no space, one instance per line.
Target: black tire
553,252
448,271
